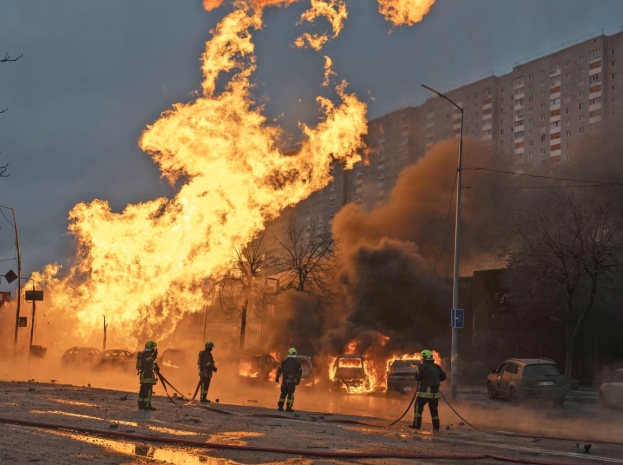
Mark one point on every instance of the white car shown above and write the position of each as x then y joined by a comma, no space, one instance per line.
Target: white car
611,391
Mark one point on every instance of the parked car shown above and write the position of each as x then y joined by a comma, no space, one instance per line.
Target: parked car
259,367
350,372
528,378
118,359
401,376
81,357
611,391
308,370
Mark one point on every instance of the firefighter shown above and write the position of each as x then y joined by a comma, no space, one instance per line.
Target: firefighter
292,372
206,368
148,371
429,375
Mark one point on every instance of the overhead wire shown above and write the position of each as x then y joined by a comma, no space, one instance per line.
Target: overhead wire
541,176
8,221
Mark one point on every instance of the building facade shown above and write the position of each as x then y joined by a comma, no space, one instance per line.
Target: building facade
534,118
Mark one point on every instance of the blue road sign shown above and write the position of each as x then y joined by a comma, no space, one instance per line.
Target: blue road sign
458,318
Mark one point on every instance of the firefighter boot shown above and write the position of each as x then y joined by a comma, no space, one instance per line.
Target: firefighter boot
141,405
280,406
289,409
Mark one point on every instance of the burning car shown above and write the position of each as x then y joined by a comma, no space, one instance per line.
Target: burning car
308,370
259,367
81,357
401,375
176,358
118,359
349,371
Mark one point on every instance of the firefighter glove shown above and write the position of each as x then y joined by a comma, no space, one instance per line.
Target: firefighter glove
215,369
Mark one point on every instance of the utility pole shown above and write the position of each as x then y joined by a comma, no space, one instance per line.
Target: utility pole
457,234
105,326
19,280
32,320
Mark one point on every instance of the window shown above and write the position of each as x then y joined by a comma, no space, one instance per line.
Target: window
567,86
542,118
501,132
519,112
502,111
519,80
594,78
614,63
530,120
594,54
580,71
581,119
530,98
554,80
614,75
567,63
567,76
542,96
529,154
567,110
542,106
531,110
581,94
568,122
519,123
519,90
487,132
530,87
594,101
581,130
501,142
567,133
595,126
542,151
614,51
542,72
502,89
519,134
555,101
555,124
502,100
530,77
614,88
581,106
581,83
530,132
531,143
615,112
554,68
568,145
568,99
519,102
486,92
581,59
543,139
543,128
486,122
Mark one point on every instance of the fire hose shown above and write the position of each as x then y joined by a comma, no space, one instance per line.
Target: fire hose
277,450
360,423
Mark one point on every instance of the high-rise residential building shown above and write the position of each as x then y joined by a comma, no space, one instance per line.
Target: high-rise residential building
533,117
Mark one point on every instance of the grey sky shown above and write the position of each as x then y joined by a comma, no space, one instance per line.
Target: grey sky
94,73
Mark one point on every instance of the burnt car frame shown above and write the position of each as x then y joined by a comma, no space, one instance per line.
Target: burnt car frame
401,376
81,357
257,367
350,372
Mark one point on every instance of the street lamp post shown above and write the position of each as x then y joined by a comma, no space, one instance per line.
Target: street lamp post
19,280
457,233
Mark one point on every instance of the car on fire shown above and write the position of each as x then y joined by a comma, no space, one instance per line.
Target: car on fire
81,357
401,376
308,370
257,367
528,378
611,391
174,359
350,372
118,359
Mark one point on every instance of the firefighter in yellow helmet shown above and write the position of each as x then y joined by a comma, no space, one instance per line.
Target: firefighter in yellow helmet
148,374
430,375
292,372
206,368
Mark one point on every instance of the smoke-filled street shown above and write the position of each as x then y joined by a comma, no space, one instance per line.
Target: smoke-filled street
311,232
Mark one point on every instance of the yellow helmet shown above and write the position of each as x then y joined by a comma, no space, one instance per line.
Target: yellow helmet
150,345
291,351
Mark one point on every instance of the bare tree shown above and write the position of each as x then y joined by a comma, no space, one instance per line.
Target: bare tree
307,260
569,246
7,58
243,286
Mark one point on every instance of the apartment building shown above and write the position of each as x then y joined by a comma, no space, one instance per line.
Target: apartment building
534,117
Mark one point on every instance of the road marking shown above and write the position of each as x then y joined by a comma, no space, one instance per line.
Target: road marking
524,449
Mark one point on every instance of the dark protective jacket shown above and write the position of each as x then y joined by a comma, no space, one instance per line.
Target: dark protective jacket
149,368
206,363
430,375
290,370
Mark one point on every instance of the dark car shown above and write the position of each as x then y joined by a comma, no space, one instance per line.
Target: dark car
259,367
81,357
308,370
118,359
528,378
401,376
350,372
611,391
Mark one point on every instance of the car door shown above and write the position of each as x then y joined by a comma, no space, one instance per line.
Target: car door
500,372
616,388
505,379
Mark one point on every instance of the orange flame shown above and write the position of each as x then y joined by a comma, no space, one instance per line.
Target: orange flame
334,11
246,369
145,266
405,12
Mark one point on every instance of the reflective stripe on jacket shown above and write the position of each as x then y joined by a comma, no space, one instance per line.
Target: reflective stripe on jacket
430,375
148,371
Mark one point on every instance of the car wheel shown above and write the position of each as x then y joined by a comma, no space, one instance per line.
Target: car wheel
514,397
559,402
602,400
491,391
